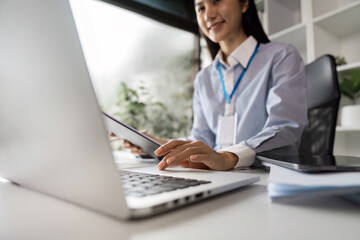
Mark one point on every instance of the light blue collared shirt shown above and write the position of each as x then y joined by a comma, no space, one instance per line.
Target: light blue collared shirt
270,100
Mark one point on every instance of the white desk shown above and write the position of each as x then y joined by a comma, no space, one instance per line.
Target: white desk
243,214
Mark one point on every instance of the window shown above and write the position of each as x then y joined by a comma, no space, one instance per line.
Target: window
142,70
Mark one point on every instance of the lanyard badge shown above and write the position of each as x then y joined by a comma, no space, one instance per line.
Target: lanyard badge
227,125
226,134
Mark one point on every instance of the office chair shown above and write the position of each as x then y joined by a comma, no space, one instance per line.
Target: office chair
323,99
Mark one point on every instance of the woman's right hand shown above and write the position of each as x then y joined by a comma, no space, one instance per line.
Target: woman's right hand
133,148
136,149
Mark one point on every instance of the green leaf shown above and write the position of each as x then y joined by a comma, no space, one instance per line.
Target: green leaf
347,88
355,78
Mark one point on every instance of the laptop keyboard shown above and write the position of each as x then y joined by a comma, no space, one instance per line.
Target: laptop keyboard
143,184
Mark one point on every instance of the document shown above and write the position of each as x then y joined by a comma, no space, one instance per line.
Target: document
285,184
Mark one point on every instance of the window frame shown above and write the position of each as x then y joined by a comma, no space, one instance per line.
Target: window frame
188,24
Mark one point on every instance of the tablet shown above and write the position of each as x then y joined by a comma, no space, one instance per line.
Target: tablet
312,163
130,134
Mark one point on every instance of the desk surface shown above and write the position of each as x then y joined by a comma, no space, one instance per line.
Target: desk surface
242,214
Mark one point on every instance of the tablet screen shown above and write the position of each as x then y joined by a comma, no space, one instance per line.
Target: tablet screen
311,163
132,135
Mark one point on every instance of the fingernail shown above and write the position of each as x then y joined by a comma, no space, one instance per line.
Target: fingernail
170,160
158,151
161,165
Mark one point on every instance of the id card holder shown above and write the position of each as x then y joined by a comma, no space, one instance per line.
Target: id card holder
226,134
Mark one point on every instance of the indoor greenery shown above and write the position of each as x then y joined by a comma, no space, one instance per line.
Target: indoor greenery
350,85
340,60
137,108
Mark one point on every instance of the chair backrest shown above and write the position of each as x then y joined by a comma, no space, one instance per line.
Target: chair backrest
323,99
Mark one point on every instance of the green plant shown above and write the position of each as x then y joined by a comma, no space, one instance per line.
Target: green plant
137,108
350,86
340,60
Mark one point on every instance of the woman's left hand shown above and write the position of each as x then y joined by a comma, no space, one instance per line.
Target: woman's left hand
194,154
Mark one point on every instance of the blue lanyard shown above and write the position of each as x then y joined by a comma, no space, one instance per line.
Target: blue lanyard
239,79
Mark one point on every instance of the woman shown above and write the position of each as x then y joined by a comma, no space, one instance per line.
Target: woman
252,98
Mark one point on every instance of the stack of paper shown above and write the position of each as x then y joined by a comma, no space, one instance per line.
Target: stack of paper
284,184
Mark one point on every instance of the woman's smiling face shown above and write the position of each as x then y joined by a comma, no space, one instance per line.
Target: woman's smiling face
220,20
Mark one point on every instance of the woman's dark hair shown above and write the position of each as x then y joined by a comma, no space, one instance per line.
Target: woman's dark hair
251,24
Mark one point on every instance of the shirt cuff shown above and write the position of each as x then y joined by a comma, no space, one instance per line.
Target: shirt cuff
245,154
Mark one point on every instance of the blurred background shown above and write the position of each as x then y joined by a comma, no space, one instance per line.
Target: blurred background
143,56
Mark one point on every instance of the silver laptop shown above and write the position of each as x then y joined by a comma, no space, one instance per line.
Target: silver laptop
52,135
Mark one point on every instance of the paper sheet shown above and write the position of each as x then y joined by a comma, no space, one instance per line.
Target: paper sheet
283,175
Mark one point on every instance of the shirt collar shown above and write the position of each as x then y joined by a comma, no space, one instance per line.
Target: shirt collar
241,54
